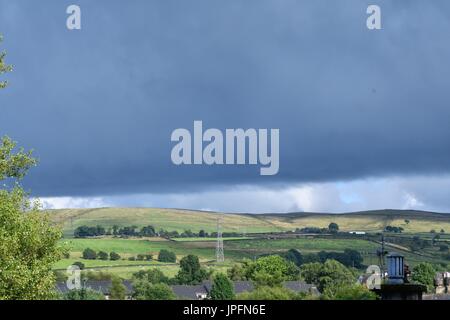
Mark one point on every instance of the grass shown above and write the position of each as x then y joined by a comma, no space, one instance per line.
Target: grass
168,219
303,245
237,248
126,272
180,220
64,263
197,239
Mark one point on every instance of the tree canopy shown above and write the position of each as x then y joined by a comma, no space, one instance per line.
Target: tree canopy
222,288
3,66
28,242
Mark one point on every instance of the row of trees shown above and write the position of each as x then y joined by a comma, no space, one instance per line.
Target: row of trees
332,228
163,256
147,231
349,258
90,254
131,231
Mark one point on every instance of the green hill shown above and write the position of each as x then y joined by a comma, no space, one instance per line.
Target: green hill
180,220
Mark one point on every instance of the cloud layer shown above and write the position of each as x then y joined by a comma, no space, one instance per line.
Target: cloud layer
428,193
99,105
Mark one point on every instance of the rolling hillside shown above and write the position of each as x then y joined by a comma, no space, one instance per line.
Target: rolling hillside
180,220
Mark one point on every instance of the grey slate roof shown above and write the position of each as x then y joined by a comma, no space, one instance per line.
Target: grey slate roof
190,292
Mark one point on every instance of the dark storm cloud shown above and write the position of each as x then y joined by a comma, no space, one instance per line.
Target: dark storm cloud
99,105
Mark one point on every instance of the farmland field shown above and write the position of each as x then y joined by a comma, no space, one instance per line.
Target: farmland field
180,220
258,236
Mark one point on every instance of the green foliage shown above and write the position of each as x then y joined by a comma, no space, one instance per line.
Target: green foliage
14,165
269,293
145,290
294,256
114,256
348,292
424,273
167,256
222,288
236,272
118,290
102,255
83,294
153,276
190,271
333,227
270,271
28,241
89,254
329,275
3,66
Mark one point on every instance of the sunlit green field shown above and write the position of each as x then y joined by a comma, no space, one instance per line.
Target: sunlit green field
249,246
303,244
129,247
64,263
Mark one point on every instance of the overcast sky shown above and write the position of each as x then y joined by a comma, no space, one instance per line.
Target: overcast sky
364,116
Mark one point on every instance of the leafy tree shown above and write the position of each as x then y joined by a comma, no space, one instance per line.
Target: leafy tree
152,275
272,271
349,258
166,256
86,231
114,256
89,254
393,229
3,66
145,290
148,231
443,248
329,275
118,290
28,241
83,294
333,227
102,255
222,288
294,256
202,234
140,257
269,293
348,292
424,273
190,271
236,273
148,257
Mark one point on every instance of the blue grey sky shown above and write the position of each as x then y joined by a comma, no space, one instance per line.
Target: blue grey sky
363,115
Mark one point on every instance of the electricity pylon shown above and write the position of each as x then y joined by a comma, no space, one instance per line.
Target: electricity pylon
220,257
